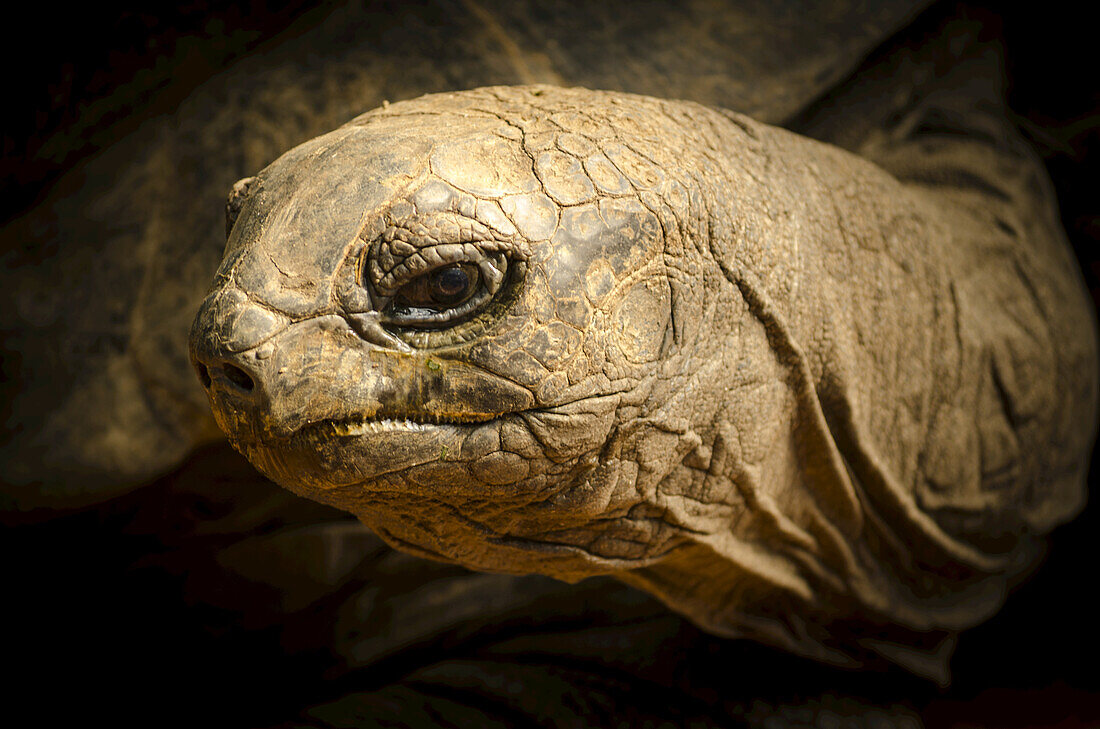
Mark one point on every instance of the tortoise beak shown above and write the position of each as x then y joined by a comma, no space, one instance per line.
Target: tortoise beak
268,378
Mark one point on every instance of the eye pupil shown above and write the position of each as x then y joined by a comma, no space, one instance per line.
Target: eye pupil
449,284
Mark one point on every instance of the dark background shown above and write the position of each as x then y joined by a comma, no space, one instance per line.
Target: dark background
95,631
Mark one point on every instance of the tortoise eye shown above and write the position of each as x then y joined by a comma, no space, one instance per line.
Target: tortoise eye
443,288
440,297
449,303
453,285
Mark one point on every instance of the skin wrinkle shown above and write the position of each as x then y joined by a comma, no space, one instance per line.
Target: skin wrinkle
731,428
780,337
528,540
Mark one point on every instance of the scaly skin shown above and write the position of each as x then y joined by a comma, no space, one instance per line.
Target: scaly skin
794,397
105,275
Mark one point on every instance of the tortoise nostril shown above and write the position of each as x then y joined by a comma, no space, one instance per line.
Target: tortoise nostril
239,377
204,375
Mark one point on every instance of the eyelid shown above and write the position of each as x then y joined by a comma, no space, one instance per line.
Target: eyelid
491,275
426,259
415,246
430,318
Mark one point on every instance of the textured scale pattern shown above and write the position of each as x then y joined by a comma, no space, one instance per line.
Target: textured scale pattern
733,369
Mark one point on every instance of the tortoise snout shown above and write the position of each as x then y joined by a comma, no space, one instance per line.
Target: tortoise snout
239,388
239,385
236,381
226,374
231,347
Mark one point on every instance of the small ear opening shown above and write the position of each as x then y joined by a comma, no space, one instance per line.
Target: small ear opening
235,201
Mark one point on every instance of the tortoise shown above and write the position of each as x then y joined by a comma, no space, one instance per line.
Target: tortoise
832,588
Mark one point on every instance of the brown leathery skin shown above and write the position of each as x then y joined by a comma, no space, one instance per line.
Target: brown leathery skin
728,364
103,290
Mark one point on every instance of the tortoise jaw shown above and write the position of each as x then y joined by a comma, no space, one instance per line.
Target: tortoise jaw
329,454
364,427
416,421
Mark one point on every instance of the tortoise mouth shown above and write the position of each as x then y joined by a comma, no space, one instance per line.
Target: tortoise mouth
362,425
355,451
411,422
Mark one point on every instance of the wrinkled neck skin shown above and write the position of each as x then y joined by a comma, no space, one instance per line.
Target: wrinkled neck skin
708,366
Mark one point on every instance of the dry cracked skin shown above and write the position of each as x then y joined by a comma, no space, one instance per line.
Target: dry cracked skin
828,404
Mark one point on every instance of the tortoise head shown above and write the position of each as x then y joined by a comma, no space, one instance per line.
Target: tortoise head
438,317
